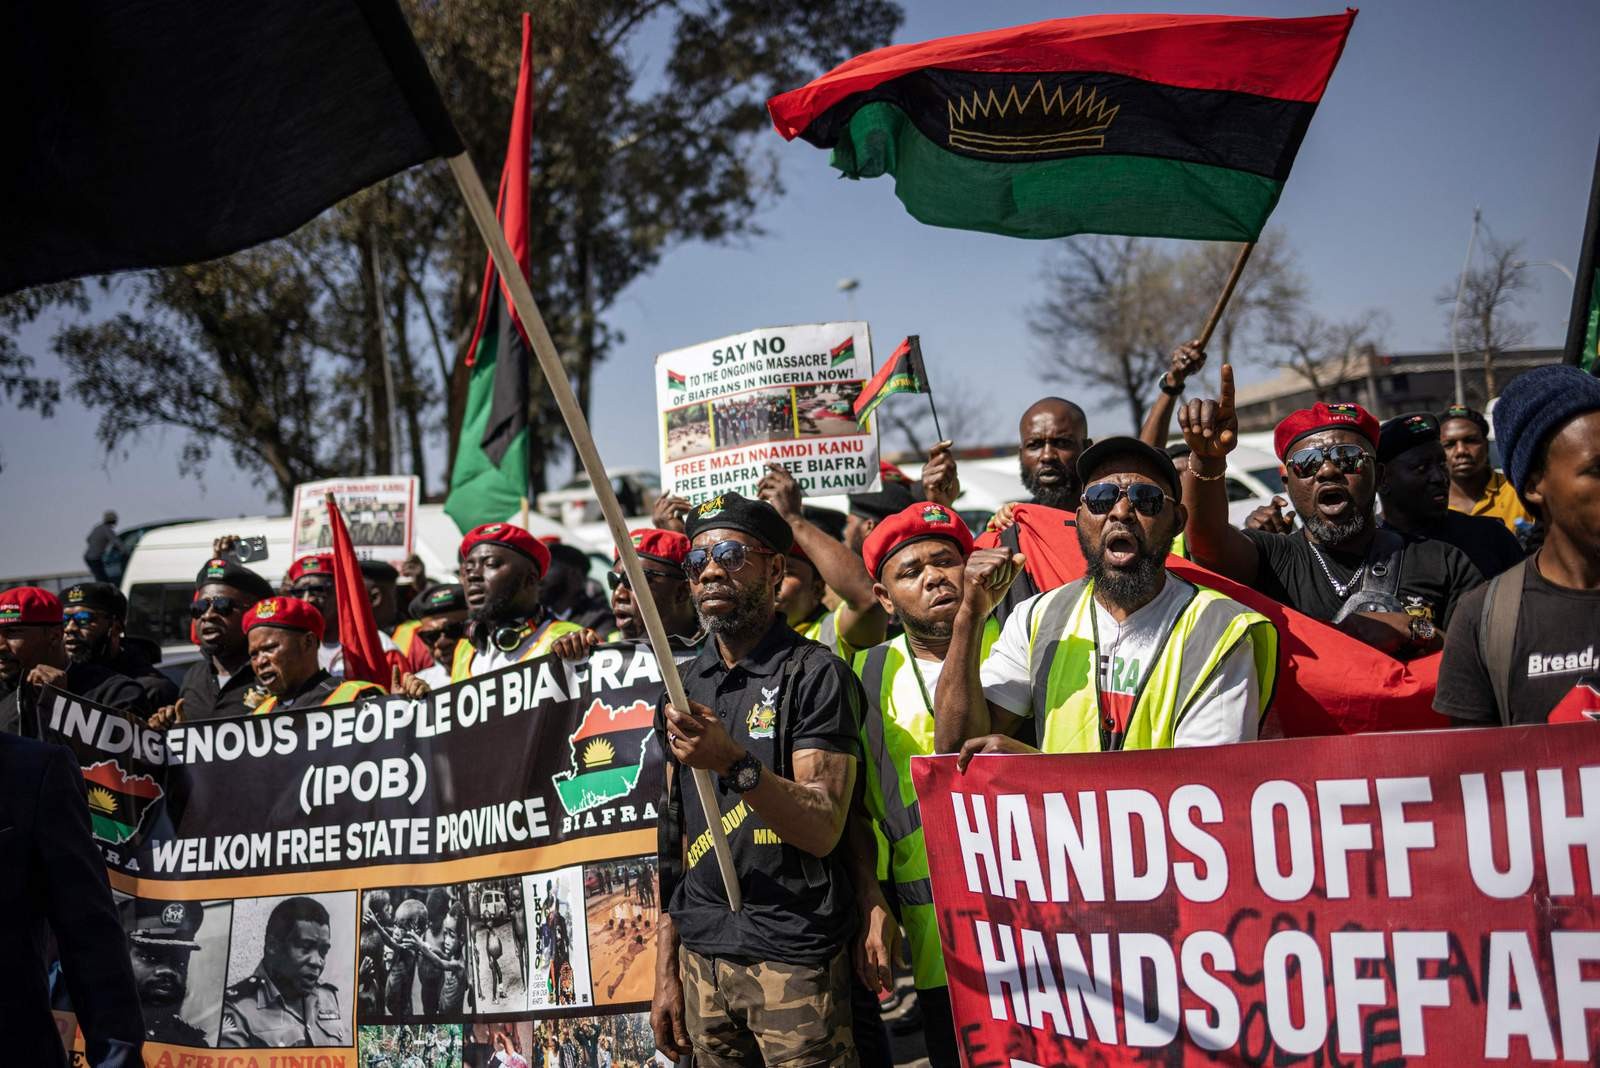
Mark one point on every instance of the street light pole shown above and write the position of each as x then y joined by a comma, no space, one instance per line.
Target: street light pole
1563,268
1455,312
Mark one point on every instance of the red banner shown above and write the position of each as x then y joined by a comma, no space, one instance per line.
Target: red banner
1427,897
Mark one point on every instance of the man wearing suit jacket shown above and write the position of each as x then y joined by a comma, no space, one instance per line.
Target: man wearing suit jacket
52,873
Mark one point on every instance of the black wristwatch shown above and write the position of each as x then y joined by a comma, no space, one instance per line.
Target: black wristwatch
743,776
1171,391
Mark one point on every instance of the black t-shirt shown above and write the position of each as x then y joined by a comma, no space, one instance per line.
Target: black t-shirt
1488,544
1432,574
1557,644
798,909
204,699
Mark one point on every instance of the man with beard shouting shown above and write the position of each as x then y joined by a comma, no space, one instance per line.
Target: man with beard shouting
916,559
1394,591
501,567
1128,657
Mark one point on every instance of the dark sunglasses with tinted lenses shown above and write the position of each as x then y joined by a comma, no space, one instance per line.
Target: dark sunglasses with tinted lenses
315,590
224,606
619,579
454,631
1146,499
1347,459
729,555
82,617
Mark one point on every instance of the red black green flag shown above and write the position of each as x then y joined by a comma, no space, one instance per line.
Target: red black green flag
843,352
903,372
117,800
1151,125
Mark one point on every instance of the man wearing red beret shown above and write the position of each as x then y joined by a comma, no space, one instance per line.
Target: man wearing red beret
501,566
311,580
661,554
916,558
1395,592
284,635
33,654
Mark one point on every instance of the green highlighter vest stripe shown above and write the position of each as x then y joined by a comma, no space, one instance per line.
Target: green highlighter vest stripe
1061,659
898,726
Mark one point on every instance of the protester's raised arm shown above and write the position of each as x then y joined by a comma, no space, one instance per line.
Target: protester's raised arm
1186,360
1211,430
863,622
941,480
960,710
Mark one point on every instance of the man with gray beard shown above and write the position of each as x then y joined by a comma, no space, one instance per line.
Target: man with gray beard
1393,591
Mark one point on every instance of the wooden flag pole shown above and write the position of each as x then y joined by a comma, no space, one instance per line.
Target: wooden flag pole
482,210
1227,292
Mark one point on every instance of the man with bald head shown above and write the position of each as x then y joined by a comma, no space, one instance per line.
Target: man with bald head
1052,434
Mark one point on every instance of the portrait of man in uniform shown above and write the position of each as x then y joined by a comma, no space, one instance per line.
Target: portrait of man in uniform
160,945
290,998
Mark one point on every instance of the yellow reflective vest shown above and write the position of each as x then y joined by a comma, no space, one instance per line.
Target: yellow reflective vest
823,628
898,725
1066,686
341,694
544,638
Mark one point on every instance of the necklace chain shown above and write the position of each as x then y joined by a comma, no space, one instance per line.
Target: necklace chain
1343,590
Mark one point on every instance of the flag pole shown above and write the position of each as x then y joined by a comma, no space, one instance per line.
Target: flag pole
481,208
938,434
1227,293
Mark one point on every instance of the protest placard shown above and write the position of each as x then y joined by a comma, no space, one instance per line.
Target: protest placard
478,862
379,512
781,394
1369,899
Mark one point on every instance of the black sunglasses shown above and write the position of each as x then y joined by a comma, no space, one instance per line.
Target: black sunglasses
82,617
729,555
454,631
224,606
1146,499
619,579
314,590
1347,460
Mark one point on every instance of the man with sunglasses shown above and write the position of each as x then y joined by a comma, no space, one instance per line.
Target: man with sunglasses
221,684
1128,657
775,717
440,613
502,566
1394,592
93,617
311,580
33,655
661,554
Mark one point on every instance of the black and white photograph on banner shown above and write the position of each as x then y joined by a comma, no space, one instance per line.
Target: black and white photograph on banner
179,953
764,415
557,932
409,1045
498,949
827,410
298,946
414,952
620,899
620,1041
501,1044
688,431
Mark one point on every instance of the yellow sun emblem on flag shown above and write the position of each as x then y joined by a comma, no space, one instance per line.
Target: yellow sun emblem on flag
102,800
598,753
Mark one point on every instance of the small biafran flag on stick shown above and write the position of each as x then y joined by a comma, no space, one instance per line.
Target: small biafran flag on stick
1150,125
903,372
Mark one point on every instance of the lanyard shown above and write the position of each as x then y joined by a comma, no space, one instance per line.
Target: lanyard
911,655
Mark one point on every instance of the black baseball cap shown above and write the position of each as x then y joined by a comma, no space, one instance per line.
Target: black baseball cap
1107,448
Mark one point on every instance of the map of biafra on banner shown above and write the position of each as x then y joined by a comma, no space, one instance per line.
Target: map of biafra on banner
394,881
782,394
1419,898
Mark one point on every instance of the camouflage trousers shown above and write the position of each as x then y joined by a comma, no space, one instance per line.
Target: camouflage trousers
779,1015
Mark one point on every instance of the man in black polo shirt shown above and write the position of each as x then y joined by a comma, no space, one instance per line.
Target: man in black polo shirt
1393,592
1415,492
775,717
221,684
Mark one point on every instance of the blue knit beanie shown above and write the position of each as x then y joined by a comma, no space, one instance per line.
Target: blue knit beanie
1533,406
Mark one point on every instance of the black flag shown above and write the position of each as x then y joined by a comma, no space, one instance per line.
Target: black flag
162,132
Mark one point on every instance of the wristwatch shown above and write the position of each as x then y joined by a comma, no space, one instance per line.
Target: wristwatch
1172,390
743,776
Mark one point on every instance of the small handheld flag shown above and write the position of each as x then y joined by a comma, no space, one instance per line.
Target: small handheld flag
903,372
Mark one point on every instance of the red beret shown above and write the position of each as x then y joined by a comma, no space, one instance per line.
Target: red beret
511,537
1322,416
29,604
663,546
890,473
316,564
290,613
918,523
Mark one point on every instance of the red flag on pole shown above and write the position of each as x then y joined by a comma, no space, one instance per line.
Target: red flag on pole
358,631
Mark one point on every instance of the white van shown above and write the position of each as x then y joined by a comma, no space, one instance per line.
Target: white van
159,578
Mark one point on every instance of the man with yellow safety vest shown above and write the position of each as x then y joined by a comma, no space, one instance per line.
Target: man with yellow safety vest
916,558
284,635
501,566
1128,657
816,563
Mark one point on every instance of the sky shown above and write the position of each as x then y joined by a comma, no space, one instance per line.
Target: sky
1436,108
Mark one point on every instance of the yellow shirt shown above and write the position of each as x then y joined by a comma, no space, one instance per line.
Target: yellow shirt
1499,500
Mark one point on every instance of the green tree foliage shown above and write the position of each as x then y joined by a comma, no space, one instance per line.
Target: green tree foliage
649,131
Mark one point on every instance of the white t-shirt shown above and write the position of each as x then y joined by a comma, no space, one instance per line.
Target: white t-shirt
1227,710
330,655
